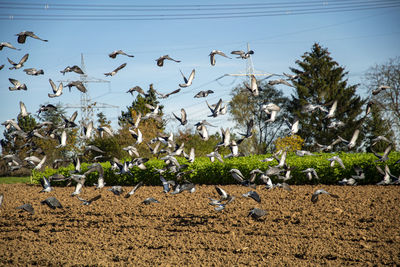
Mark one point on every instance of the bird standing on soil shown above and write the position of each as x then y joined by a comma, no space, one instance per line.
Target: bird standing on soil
26,207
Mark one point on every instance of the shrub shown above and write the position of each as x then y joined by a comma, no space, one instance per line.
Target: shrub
289,143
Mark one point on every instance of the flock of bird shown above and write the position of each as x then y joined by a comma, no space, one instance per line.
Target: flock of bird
171,150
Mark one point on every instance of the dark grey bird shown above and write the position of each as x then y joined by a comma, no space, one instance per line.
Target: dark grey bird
385,156
52,202
116,189
119,52
74,68
136,187
20,64
314,197
137,89
45,108
203,93
238,176
310,172
254,195
27,207
97,167
150,200
46,185
160,60
166,184
280,81
70,123
380,138
183,118
241,54
17,85
225,199
88,202
216,52
163,96
78,84
249,132
112,73
256,213
33,71
22,36
2,66
7,44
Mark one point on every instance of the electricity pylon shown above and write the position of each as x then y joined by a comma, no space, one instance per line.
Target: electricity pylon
86,105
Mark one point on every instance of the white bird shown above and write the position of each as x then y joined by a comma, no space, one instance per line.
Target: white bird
338,160
272,110
20,64
353,140
57,91
216,52
17,85
136,187
46,185
138,136
332,110
188,82
41,163
63,140
80,180
253,88
310,172
23,111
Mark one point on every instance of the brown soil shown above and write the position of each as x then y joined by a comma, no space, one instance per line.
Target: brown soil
360,228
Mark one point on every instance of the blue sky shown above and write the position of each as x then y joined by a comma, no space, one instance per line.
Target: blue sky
357,40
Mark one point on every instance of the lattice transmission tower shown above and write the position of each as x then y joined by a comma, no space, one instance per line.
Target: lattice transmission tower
86,104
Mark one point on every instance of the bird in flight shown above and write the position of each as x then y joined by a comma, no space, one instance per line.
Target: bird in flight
216,52
112,73
160,60
22,36
20,64
188,82
119,52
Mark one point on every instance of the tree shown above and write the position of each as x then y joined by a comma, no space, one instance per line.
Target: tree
321,81
244,106
387,74
102,120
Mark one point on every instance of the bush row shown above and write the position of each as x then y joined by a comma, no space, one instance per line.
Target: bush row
206,172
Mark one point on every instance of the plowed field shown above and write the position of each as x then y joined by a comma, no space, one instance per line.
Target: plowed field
361,228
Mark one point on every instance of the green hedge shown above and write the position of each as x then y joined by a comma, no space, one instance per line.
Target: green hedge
205,172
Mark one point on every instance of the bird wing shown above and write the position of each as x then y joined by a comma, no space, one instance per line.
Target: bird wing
120,67
24,59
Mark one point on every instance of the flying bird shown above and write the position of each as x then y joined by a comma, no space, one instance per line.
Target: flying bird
254,195
17,85
52,202
23,111
136,187
216,52
314,197
203,93
188,82
74,68
88,202
310,172
116,189
150,200
163,96
33,71
112,73
78,84
20,64
119,52
183,118
380,89
57,91
160,60
22,36
338,160
7,44
241,54
46,185
332,110
253,88
27,207
137,89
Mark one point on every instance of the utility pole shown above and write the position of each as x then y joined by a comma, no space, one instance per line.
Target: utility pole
86,105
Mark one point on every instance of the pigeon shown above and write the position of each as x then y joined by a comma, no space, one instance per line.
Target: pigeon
359,173
74,68
380,89
7,44
57,91
215,155
137,89
20,64
33,71
336,125
80,180
238,176
78,84
136,187
314,197
23,111
119,52
256,213
94,148
332,110
87,130
302,153
183,118
2,66
27,207
188,82
272,110
46,185
310,172
1,199
349,181
338,160
380,138
112,73
254,195
88,202
17,85
138,136
226,137
241,54
224,196
150,200
203,93
52,202
353,140
385,156
216,52
249,132
166,184
279,81
116,189
99,169
22,36
253,88
45,108
163,96
160,60
103,129
63,140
